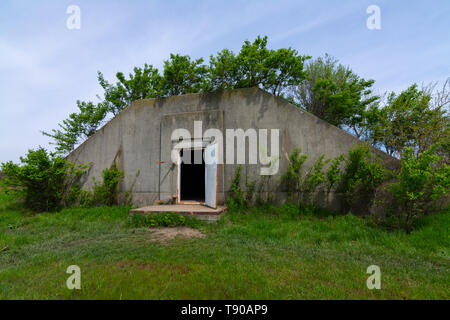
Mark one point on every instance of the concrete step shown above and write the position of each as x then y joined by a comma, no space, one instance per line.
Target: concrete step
196,210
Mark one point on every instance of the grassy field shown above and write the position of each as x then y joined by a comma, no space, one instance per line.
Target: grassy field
276,254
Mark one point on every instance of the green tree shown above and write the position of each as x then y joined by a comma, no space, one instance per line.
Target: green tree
415,118
255,65
183,75
222,72
335,94
285,70
79,125
143,83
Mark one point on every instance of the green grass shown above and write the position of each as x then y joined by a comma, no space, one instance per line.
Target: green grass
262,254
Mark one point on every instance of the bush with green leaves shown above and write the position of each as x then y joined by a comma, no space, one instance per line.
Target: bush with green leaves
292,178
355,176
236,193
422,181
79,197
264,191
305,188
363,173
250,186
333,174
43,179
256,192
106,192
314,180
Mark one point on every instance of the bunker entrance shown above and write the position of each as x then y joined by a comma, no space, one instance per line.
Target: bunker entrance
192,175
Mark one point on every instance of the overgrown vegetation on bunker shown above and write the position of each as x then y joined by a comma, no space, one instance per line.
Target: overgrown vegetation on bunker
419,187
417,117
47,182
412,125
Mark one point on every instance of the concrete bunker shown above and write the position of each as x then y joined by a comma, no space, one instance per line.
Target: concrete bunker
143,134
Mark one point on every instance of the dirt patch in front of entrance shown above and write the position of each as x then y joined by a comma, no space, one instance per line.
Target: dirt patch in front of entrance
166,234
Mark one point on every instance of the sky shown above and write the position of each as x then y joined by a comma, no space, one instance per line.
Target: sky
45,67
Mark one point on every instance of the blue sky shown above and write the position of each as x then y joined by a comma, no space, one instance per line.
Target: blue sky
45,67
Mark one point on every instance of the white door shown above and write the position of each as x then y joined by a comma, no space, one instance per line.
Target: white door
211,156
178,176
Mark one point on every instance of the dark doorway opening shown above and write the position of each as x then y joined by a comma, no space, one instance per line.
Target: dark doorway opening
192,175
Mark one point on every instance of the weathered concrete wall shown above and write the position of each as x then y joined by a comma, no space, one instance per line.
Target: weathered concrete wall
139,137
